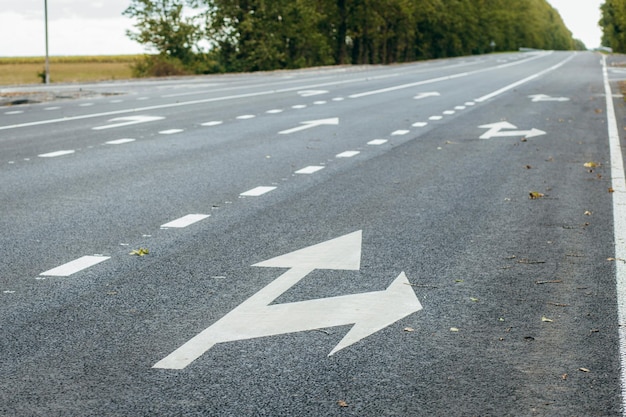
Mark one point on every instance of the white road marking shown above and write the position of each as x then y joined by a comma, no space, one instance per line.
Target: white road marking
185,221
411,85
116,101
214,123
246,117
75,266
377,142
310,169
460,108
449,112
170,131
470,103
142,98
85,105
127,121
299,106
258,191
55,154
320,102
400,132
347,154
338,99
618,183
310,124
420,124
120,141
435,118
52,108
14,112
274,111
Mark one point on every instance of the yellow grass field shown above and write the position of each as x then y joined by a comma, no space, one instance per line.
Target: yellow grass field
15,71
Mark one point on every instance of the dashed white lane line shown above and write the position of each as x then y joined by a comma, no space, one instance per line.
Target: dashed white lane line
400,132
274,111
338,99
460,108
449,112
120,141
299,106
75,266
258,191
435,118
116,101
213,123
310,169
420,124
185,221
86,105
377,142
347,154
56,154
52,108
470,103
171,131
320,102
14,112
246,117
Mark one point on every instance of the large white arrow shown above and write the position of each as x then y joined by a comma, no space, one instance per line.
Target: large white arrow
255,317
497,130
127,121
425,95
542,97
313,123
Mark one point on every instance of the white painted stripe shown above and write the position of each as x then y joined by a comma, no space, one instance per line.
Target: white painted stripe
246,117
55,154
377,142
338,99
435,118
523,81
310,169
116,101
299,106
185,221
213,123
274,111
119,141
420,124
347,154
320,102
86,105
618,178
400,132
171,131
449,112
75,266
258,191
470,103
15,112
411,85
52,108
460,107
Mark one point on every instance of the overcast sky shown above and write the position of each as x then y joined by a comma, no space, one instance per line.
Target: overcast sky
90,27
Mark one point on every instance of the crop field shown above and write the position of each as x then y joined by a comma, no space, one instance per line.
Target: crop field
16,71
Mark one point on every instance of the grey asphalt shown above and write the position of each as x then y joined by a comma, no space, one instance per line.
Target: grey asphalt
519,306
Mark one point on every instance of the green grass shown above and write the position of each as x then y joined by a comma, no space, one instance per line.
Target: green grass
66,69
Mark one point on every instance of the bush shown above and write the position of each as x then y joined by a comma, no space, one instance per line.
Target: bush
158,66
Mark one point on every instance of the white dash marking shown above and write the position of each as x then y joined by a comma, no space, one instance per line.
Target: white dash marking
420,124
347,154
258,191
213,123
435,118
377,142
449,112
120,141
338,99
15,112
75,266
310,169
86,105
470,103
299,106
460,107
319,103
170,131
116,101
55,154
143,98
246,117
52,108
274,111
400,132
185,221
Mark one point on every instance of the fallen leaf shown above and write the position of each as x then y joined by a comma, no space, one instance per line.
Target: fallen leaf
546,320
409,329
529,167
454,329
591,164
534,195
342,403
564,377
474,299
140,252
611,190
588,213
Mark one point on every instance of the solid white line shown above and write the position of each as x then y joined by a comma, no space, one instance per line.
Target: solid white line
309,170
185,221
55,154
347,154
258,191
74,266
119,141
618,184
403,86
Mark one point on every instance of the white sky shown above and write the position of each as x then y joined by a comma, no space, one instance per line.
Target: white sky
97,27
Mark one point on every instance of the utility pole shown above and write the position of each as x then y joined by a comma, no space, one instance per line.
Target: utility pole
47,65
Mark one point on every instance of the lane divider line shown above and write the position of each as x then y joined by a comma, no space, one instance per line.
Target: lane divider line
56,154
257,192
310,169
185,221
75,266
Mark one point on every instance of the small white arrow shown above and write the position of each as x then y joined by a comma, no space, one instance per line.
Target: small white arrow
258,317
313,123
542,97
425,95
309,93
130,120
496,130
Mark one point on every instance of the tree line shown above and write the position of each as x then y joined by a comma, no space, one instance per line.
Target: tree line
204,36
613,24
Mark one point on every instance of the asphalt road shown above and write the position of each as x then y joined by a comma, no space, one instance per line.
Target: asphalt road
428,239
